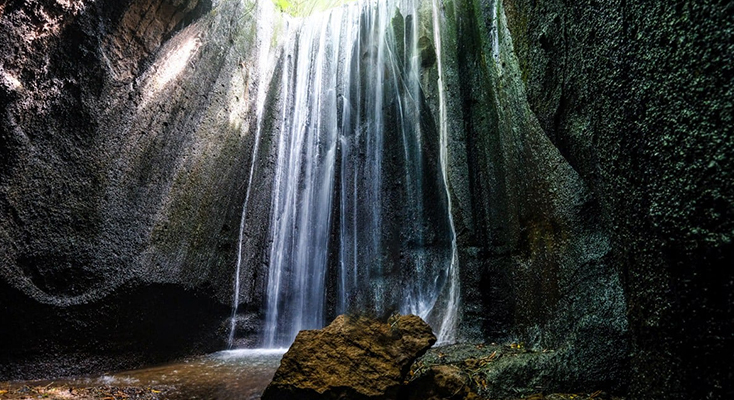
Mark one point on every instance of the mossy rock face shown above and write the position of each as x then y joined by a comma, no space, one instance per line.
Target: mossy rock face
637,97
507,371
536,259
427,52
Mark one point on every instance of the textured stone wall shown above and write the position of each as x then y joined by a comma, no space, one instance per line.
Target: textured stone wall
537,263
126,137
637,96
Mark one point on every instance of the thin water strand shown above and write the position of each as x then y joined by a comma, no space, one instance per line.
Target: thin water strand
265,33
447,331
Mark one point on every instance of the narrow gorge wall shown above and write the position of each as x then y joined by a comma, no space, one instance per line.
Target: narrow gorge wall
124,134
637,96
537,262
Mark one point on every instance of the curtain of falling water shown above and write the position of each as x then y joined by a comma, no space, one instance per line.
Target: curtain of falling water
304,183
357,136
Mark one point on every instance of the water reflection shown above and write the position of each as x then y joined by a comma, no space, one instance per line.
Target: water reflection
232,374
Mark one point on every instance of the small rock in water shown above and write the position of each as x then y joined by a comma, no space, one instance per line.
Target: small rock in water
353,358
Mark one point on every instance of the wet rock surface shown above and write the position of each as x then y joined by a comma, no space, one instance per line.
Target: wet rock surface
83,393
493,371
354,358
536,259
637,96
440,382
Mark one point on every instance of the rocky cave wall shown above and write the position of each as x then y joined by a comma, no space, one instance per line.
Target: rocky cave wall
537,263
637,96
125,128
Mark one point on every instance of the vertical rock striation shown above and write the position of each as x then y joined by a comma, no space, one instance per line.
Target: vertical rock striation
538,263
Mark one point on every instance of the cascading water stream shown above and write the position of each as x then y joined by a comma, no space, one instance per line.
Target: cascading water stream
361,210
303,186
265,33
447,332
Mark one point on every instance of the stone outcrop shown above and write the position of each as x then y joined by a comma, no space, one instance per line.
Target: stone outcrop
352,358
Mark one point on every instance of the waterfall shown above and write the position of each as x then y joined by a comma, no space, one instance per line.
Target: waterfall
447,332
265,34
360,209
304,182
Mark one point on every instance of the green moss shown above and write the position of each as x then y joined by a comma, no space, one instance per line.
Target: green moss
303,8
277,32
517,23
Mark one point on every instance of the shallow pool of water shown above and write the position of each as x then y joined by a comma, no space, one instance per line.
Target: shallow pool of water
232,374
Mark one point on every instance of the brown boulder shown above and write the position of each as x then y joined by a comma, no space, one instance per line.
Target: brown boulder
353,358
441,382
